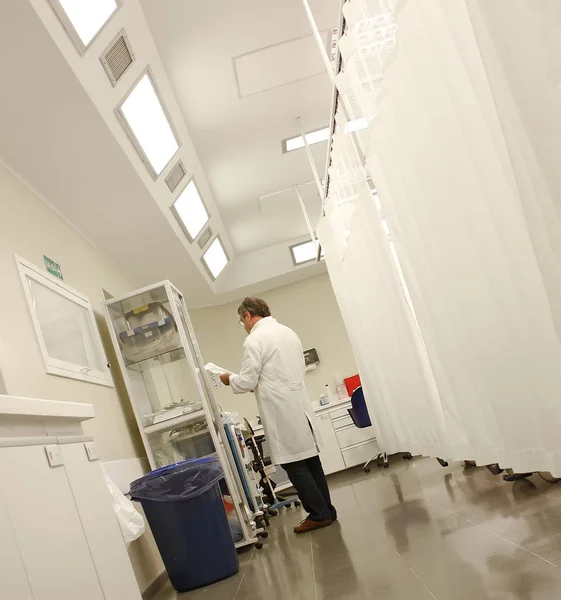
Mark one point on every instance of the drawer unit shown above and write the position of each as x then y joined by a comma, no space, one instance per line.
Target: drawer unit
342,422
340,411
358,455
351,435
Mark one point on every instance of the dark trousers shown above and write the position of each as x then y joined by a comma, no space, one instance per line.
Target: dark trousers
308,478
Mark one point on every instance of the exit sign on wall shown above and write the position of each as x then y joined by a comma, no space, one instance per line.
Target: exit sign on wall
53,267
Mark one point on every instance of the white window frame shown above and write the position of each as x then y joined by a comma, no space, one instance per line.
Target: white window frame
55,366
71,30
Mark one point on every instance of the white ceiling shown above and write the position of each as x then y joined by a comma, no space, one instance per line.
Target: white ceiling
56,137
213,52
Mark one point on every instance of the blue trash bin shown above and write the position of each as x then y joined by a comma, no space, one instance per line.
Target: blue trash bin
185,511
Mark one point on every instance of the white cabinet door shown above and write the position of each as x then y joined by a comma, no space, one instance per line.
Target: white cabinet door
45,523
100,524
13,579
330,453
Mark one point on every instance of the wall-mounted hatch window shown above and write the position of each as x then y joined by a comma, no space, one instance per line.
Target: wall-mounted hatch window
146,121
65,327
84,19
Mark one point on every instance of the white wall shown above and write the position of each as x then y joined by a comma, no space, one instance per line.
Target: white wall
29,228
309,307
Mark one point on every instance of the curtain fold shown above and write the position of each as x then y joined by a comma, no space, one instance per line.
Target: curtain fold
461,155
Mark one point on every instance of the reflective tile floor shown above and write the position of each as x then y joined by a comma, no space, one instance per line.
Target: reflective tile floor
413,532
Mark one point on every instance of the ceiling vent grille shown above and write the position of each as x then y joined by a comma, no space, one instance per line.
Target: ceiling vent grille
175,176
204,237
117,58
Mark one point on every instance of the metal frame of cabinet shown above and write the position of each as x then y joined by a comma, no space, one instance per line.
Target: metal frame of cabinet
209,410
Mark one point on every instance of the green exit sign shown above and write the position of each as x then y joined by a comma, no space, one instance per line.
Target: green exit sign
53,267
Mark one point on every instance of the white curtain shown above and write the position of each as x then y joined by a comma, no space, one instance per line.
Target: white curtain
463,145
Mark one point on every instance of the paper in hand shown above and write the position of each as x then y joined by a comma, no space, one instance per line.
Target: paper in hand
214,372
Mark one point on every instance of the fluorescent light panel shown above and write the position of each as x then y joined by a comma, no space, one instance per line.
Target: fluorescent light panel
88,16
146,118
305,252
322,135
191,211
215,258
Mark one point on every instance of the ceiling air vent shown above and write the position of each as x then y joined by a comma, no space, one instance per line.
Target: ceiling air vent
175,176
204,237
117,58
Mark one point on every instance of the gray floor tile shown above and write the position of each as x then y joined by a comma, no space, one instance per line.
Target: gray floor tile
412,532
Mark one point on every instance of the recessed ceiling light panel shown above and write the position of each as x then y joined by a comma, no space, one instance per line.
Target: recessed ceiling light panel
84,19
190,211
215,258
147,123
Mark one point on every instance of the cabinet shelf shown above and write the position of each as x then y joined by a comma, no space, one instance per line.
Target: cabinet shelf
175,422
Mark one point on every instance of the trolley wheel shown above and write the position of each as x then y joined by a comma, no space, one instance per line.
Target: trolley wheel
259,545
297,504
273,513
263,534
288,505
367,469
547,476
407,456
386,465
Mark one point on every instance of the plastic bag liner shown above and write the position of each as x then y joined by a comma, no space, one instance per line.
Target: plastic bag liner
179,482
130,520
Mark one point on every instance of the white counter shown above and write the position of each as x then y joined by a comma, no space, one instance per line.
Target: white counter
319,409
14,405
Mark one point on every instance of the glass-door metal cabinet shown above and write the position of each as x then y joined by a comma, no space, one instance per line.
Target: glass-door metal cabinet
169,389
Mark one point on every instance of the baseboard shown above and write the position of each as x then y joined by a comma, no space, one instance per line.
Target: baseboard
155,587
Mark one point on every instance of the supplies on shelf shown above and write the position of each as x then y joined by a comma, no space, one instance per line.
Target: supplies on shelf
151,330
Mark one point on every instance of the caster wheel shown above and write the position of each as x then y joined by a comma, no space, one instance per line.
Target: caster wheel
259,545
266,519
273,513
407,456
386,465
288,505
367,470
263,534
298,504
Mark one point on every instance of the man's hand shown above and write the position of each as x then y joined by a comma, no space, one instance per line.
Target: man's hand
225,378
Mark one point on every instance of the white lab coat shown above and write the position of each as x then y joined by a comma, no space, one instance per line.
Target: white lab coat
273,367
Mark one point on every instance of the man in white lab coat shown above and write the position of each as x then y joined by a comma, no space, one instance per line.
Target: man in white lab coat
273,368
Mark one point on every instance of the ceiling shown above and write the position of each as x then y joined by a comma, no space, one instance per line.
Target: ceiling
242,72
66,143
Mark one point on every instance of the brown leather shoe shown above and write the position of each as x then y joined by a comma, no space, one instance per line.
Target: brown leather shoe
309,525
